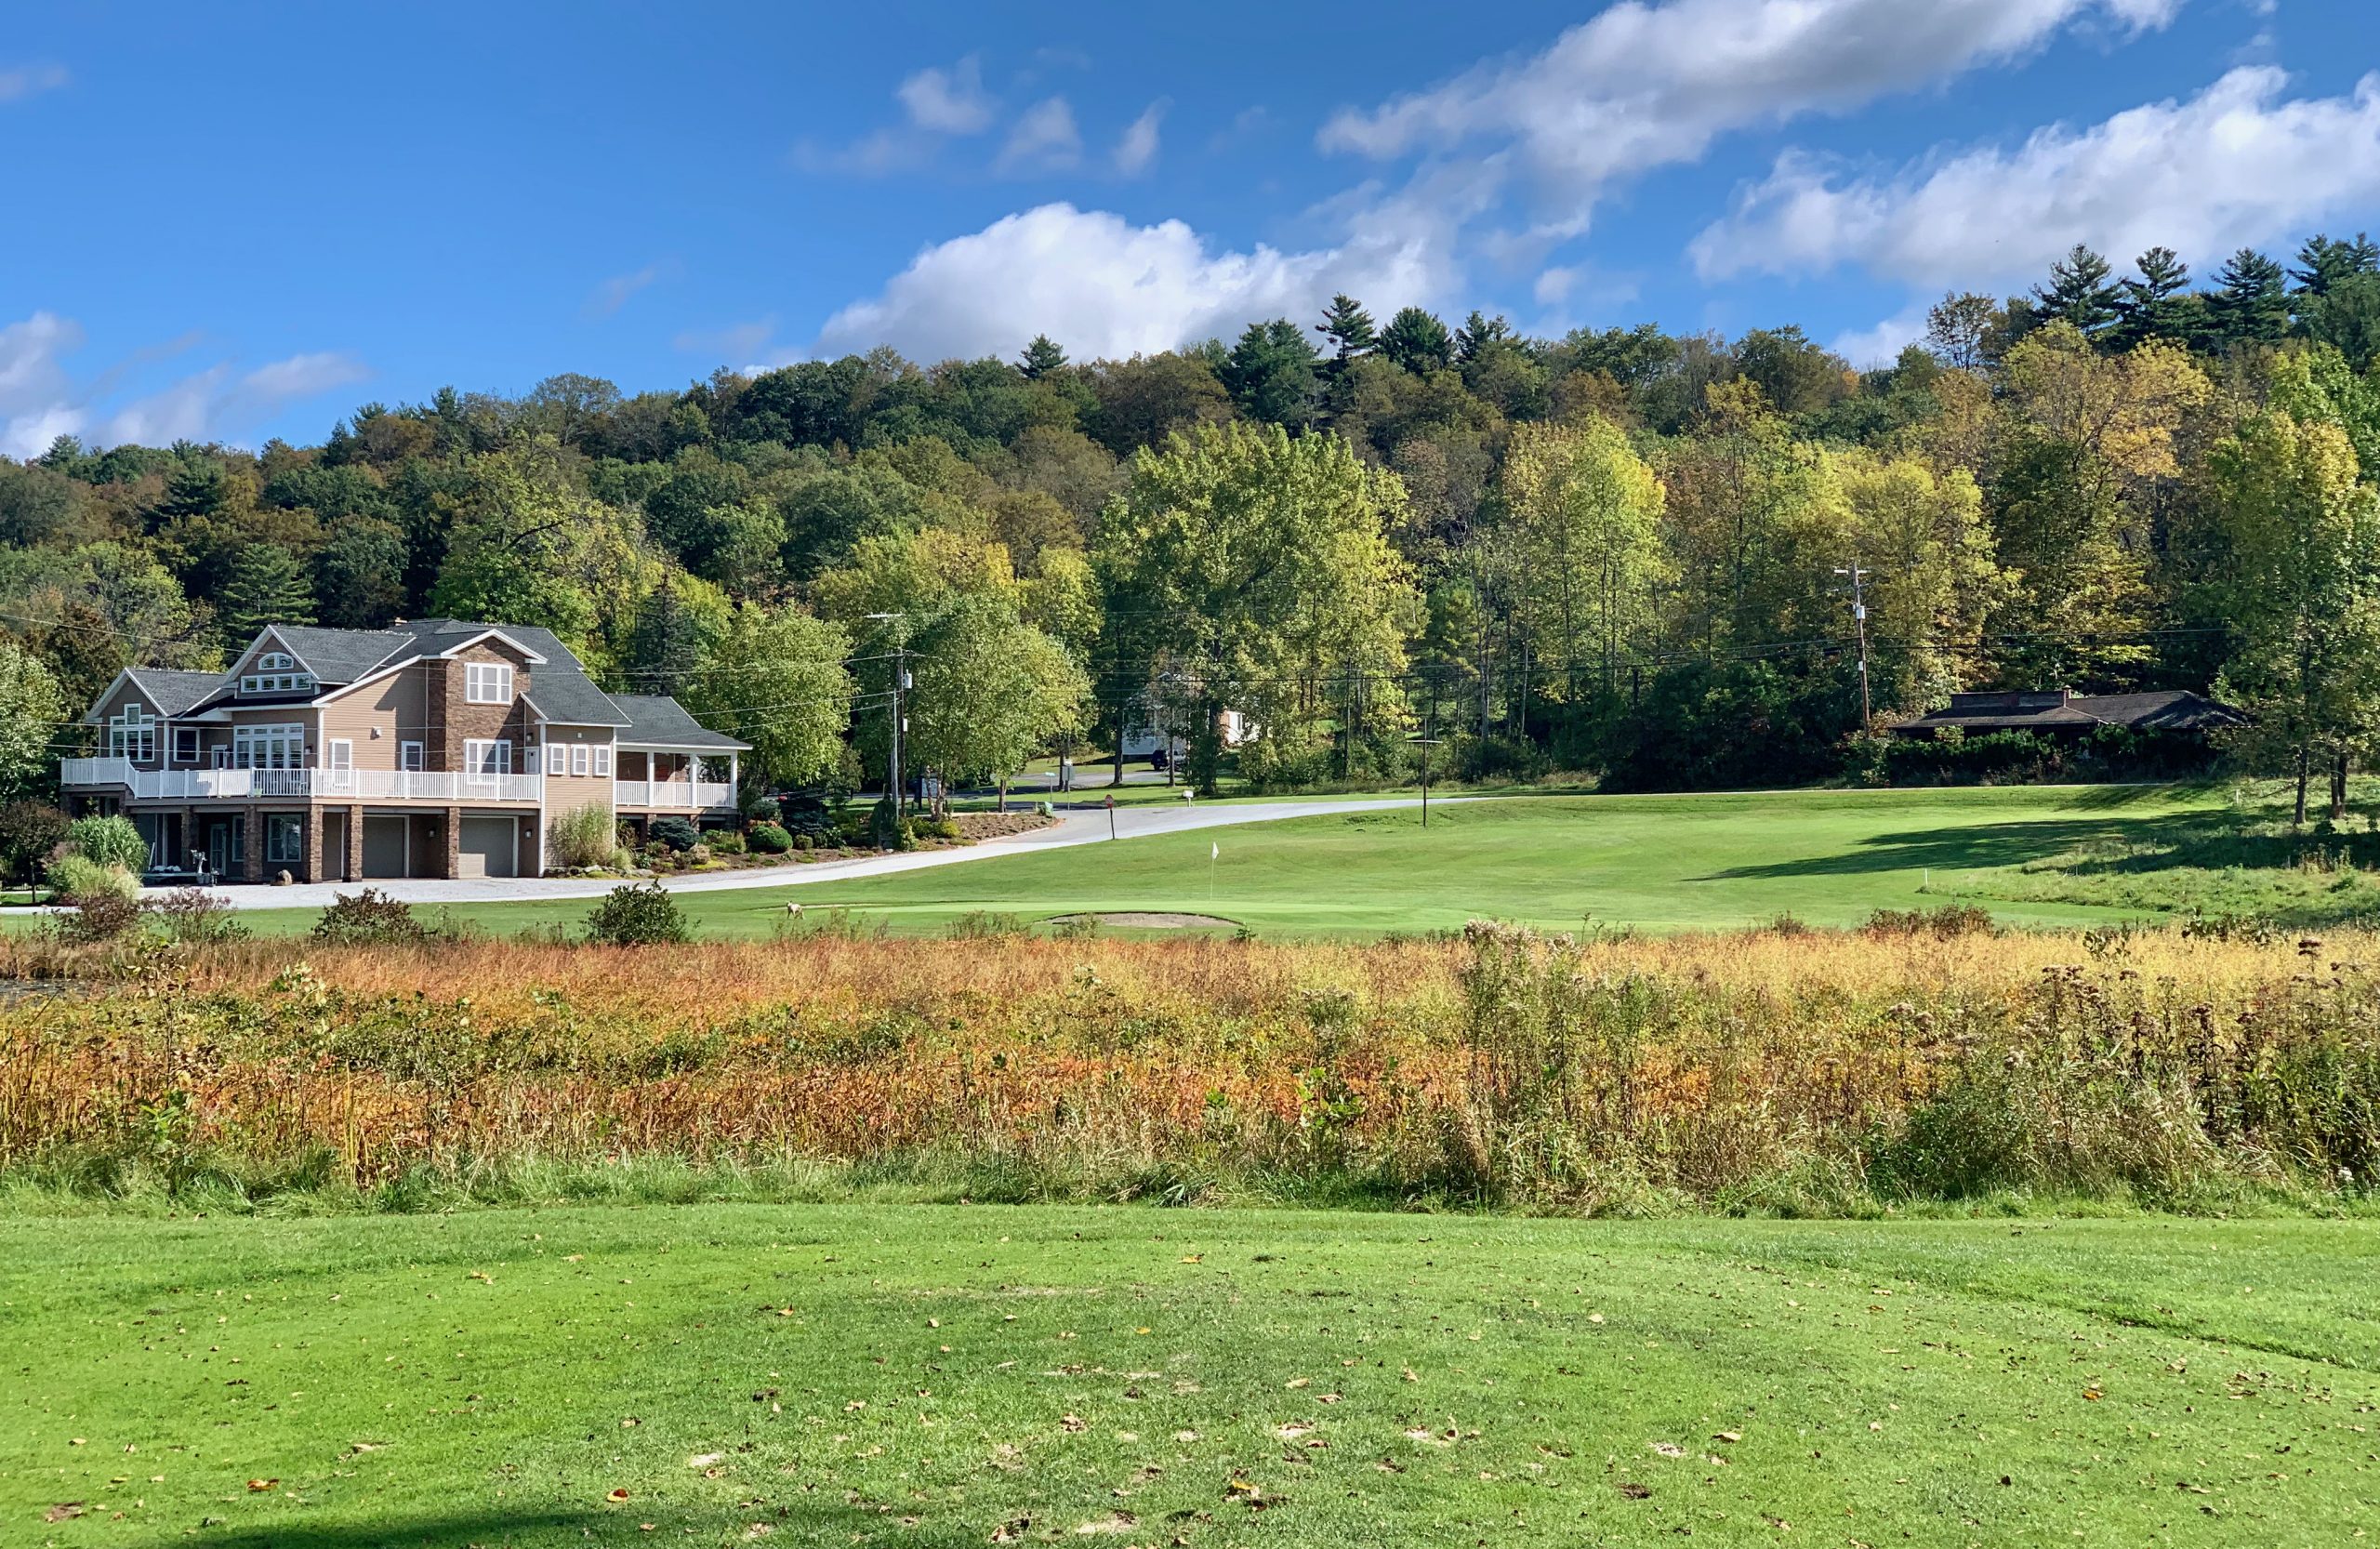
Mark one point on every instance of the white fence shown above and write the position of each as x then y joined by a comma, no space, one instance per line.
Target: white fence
358,785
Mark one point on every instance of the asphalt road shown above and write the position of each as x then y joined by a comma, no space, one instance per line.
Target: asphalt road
1072,828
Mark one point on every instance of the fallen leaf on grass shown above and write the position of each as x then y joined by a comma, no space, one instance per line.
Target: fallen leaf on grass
1009,1532
1299,1382
1727,1436
704,1460
62,1510
2091,1394
1072,1423
260,1486
617,1495
1635,1492
1113,1522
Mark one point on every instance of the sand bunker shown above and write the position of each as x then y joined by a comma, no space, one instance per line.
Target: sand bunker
1141,920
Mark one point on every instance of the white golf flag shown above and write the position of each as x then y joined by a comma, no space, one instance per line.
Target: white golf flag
1215,849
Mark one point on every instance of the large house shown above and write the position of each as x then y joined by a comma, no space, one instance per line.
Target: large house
438,748
2063,712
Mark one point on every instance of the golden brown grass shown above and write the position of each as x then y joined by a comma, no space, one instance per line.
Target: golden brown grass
1776,1069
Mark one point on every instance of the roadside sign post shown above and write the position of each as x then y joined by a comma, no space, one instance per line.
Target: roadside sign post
1111,814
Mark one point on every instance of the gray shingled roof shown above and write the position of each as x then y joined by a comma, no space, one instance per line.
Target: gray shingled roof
172,689
658,720
2159,709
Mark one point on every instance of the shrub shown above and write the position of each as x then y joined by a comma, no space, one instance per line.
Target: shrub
369,918
804,841
76,878
639,915
100,915
1950,920
674,832
887,831
724,841
768,838
29,830
197,917
623,859
109,840
936,828
582,836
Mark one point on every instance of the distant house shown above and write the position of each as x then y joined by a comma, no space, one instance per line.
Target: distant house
438,748
2064,713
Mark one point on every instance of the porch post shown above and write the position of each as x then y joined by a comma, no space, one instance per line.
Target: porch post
450,858
251,844
355,844
312,862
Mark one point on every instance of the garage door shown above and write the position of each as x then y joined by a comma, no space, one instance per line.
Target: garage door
384,846
489,847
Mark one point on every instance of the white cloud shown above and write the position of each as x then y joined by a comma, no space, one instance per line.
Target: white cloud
612,294
1103,287
2237,164
948,102
1647,84
31,80
1867,349
303,376
1043,139
41,399
1137,150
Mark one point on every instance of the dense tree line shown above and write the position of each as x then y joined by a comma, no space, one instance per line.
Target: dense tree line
1617,550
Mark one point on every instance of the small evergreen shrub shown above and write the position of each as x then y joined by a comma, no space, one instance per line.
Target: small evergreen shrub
768,838
674,832
639,915
109,842
369,918
724,841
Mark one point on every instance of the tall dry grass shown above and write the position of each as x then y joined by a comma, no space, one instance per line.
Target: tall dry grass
1795,1071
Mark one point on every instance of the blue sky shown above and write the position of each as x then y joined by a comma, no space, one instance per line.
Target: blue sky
243,221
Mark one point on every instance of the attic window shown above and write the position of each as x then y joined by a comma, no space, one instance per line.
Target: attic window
276,672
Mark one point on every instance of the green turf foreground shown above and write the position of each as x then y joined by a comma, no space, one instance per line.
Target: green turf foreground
961,1375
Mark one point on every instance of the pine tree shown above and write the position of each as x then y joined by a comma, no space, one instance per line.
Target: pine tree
2325,261
1417,341
665,644
2251,305
1042,357
2079,291
1270,374
2157,304
266,585
1349,328
1480,335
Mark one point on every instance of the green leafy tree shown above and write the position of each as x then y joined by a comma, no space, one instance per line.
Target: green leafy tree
2301,589
1587,514
1256,568
776,677
360,574
32,707
990,692
2346,317
1958,326
1417,341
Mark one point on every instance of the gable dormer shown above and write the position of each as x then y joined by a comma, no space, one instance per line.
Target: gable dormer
275,673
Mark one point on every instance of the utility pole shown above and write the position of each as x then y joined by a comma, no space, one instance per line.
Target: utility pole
900,684
1425,744
1859,618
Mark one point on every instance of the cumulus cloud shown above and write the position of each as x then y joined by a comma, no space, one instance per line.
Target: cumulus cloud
41,399
1043,139
31,80
1647,84
1137,150
2239,164
948,102
1104,287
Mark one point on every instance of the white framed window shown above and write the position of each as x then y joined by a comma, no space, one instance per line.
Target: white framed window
132,733
487,682
185,744
578,751
285,837
276,672
484,762
282,746
409,756
338,754
603,764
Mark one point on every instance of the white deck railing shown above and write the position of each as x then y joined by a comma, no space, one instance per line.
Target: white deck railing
679,795
357,784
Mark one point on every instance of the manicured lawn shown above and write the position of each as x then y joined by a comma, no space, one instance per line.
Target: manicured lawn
957,1375
1660,863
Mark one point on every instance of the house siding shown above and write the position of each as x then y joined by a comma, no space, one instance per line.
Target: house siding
380,717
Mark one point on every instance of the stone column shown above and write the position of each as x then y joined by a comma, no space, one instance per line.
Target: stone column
451,858
355,844
194,837
252,846
311,863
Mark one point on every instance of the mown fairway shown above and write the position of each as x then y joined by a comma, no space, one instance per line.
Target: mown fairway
1659,862
952,1376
